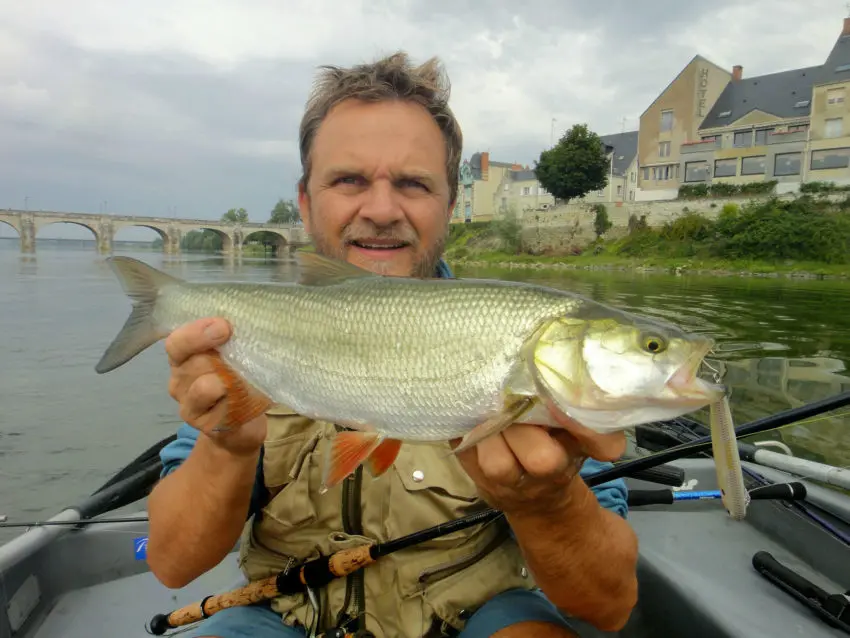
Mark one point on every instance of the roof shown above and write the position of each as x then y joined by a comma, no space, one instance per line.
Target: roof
523,175
786,94
837,65
625,147
475,165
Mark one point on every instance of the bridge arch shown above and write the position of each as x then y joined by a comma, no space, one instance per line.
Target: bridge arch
161,232
209,239
267,237
6,222
40,226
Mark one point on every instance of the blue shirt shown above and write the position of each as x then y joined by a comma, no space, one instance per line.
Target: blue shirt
611,495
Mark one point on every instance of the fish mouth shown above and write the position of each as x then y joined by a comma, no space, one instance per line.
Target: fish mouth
686,384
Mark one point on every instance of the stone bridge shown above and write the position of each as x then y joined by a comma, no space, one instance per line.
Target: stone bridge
27,223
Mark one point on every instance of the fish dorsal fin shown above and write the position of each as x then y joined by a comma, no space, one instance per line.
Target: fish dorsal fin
318,270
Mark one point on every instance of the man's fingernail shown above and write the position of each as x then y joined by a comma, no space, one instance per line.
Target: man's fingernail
215,331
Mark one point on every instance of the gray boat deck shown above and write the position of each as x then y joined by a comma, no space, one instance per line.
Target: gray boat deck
696,576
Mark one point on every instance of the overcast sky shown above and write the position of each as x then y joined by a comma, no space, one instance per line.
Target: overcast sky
150,107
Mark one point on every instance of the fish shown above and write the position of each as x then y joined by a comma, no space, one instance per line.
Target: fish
396,360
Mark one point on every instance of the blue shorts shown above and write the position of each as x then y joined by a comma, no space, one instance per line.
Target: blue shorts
508,608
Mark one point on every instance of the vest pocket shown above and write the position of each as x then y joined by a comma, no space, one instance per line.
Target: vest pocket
430,487
287,476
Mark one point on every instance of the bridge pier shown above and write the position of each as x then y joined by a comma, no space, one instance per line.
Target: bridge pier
171,241
27,231
104,235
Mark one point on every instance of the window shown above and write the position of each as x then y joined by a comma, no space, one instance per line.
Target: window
830,158
835,96
619,189
726,167
507,187
834,127
753,165
666,121
743,138
526,190
646,173
786,164
664,149
761,136
696,171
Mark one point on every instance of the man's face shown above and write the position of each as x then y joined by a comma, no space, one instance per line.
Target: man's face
378,196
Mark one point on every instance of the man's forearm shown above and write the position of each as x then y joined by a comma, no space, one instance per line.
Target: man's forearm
582,556
198,512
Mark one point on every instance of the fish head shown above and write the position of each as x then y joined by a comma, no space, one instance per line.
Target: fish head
617,370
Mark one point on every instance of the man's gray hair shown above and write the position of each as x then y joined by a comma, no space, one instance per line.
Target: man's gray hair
390,78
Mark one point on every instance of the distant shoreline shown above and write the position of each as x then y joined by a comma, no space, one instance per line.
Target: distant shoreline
787,270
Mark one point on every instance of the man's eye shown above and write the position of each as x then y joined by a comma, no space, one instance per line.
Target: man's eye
412,183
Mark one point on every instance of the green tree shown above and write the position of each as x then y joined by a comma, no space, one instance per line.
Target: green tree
285,212
601,222
576,165
235,216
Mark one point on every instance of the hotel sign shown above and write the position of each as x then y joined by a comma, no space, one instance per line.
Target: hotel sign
702,91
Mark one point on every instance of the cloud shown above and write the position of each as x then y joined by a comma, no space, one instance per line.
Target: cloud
194,105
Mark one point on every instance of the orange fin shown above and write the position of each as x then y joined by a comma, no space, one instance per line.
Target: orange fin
244,402
347,451
383,457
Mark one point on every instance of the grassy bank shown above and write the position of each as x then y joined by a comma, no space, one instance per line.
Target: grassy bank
808,237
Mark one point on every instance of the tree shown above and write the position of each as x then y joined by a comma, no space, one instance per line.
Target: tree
576,165
235,216
285,212
601,223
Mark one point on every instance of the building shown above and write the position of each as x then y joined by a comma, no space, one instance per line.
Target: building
487,188
711,126
708,126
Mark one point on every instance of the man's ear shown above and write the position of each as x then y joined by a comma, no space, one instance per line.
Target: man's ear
304,204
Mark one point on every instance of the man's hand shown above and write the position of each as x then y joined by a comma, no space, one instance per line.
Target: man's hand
527,468
200,392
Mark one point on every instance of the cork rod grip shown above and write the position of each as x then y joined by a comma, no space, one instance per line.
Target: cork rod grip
350,560
255,592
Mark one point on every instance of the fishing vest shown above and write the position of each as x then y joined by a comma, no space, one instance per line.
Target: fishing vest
407,594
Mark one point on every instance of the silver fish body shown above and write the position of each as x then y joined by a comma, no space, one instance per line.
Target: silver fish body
427,360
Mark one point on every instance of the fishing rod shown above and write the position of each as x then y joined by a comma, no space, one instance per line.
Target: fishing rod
324,569
320,571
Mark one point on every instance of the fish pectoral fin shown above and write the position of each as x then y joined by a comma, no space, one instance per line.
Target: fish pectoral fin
346,451
244,402
514,408
318,270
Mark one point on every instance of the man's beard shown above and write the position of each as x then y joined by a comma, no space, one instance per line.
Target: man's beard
424,265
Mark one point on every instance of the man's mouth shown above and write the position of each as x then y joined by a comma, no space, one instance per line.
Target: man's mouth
378,244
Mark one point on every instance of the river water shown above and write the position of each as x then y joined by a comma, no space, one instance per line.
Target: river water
64,429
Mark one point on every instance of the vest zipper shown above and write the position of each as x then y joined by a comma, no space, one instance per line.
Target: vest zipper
355,597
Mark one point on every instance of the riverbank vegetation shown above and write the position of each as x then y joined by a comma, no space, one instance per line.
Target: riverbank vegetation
807,235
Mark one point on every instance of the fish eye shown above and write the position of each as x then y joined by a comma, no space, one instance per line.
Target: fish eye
653,344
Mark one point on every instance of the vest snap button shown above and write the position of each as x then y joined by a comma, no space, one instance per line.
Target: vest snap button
523,572
418,475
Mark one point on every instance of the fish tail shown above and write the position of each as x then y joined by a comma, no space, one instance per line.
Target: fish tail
142,283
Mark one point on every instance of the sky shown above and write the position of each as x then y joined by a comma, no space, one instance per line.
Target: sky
188,108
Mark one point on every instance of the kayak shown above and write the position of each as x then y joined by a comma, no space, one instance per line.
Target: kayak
783,571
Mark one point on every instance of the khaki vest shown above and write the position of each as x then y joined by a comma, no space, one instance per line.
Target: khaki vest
445,579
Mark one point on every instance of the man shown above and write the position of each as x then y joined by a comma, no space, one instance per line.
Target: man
380,151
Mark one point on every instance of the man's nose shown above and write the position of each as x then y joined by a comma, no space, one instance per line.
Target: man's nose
381,205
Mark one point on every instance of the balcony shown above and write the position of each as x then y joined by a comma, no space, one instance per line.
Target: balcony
786,138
